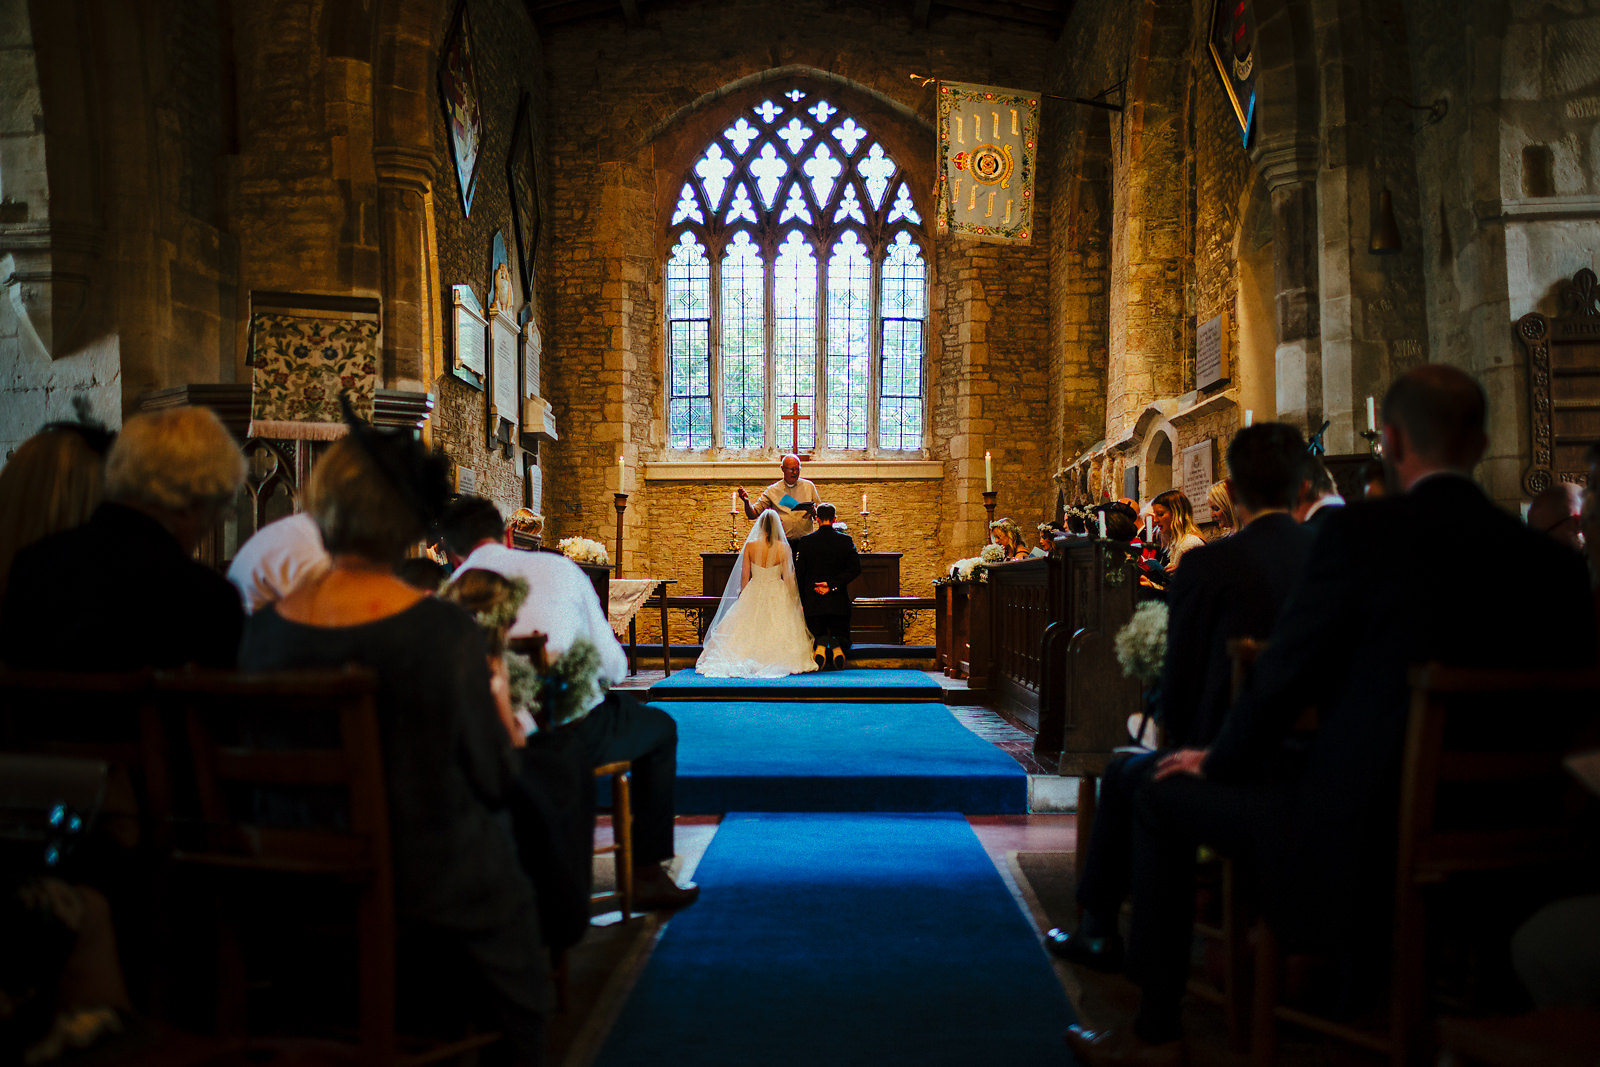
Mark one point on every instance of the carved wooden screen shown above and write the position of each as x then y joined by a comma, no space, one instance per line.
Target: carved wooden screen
1563,384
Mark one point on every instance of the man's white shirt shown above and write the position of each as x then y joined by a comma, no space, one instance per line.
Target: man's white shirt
561,604
280,556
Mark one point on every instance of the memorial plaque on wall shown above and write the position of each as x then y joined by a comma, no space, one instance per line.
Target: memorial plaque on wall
532,349
504,394
1210,354
470,328
1196,483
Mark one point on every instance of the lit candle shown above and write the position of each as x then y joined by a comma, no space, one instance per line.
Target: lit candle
1249,417
1102,526
988,474
622,474
1372,416
733,503
863,503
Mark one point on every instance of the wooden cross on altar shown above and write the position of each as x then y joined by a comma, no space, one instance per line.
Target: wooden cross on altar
795,418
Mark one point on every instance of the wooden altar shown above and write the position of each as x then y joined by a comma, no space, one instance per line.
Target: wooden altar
880,577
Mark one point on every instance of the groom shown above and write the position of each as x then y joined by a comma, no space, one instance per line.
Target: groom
825,562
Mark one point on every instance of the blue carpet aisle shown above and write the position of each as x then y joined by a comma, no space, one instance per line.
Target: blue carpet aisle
879,686
742,756
845,939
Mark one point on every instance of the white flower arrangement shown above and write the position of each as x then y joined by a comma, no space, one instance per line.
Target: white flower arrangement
964,570
992,554
583,550
1142,644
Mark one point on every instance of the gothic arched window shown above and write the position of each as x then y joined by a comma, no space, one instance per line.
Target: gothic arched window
795,276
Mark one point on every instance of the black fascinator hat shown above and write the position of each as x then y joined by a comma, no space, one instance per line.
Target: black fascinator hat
93,432
421,477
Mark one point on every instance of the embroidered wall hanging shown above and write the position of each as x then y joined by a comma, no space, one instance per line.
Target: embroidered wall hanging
988,140
301,361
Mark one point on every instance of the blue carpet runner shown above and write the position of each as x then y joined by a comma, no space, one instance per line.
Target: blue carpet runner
873,685
845,939
737,756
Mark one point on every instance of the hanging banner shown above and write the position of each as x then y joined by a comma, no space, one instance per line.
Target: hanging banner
988,138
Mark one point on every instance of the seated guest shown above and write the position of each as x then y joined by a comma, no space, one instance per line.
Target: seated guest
1318,492
449,765
422,573
121,591
1122,522
1558,513
1222,509
1008,535
1230,588
1316,830
563,606
52,482
280,556
1176,532
1048,532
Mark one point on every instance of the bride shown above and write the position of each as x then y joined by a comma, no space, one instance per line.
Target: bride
759,630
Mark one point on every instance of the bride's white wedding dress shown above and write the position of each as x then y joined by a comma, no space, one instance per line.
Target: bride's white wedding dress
760,632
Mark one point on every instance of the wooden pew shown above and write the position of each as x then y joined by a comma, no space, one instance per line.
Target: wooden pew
1460,747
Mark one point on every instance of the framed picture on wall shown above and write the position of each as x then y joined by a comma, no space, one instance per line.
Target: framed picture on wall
523,177
463,113
1233,49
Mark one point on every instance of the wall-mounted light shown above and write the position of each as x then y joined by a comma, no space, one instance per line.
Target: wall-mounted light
1385,240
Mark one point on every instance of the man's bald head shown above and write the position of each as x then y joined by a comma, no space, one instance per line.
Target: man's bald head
1441,412
790,465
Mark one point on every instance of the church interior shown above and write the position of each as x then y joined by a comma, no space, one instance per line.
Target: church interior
965,261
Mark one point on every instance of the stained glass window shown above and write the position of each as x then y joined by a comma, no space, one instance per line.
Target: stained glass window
796,280
689,344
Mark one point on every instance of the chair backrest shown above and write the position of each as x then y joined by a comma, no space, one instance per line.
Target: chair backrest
1483,786
111,718
288,769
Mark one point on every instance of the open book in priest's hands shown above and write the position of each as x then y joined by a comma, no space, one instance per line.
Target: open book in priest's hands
792,504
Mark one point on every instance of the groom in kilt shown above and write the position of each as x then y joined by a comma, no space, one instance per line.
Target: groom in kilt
825,563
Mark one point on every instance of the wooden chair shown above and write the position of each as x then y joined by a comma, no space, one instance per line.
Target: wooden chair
621,808
272,740
1461,745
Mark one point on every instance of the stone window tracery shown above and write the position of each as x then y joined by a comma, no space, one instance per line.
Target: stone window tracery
796,275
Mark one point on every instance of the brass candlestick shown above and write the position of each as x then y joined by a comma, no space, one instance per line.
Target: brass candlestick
621,503
988,505
733,530
866,534
1374,442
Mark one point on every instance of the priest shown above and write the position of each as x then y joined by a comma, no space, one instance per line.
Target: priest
794,498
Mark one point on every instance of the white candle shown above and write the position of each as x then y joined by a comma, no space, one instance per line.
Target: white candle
1102,517
733,503
622,474
1249,417
1372,416
988,474
1147,527
863,503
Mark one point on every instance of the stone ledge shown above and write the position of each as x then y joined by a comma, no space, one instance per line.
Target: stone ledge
1539,208
766,470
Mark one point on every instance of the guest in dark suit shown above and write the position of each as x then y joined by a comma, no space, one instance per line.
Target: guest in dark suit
825,563
121,591
1232,587
1318,832
1319,494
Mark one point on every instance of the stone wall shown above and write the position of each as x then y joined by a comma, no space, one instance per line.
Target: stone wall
626,92
504,40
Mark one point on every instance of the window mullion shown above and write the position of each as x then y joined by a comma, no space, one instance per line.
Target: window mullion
819,401
769,273
714,342
875,353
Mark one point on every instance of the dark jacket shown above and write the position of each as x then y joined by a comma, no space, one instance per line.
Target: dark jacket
1367,607
826,555
1230,588
117,593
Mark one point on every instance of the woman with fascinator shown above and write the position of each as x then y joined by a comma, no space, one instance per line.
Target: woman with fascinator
448,759
760,629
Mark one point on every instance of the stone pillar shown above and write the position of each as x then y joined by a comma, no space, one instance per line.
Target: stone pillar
1290,174
405,178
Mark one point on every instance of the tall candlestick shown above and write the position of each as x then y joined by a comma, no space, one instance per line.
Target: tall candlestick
1372,415
988,474
1249,417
